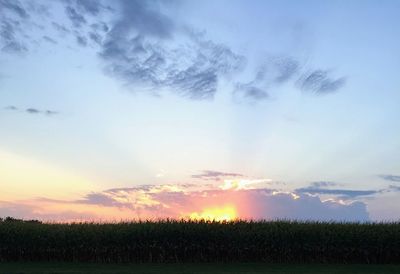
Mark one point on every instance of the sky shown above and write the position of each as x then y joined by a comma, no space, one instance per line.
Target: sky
127,109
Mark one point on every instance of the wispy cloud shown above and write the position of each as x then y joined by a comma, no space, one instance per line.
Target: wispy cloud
390,177
77,19
142,48
394,188
145,47
343,192
95,37
93,7
320,184
15,7
51,112
11,108
324,188
320,82
49,39
81,40
250,91
9,39
276,71
60,28
215,175
32,110
12,14
272,73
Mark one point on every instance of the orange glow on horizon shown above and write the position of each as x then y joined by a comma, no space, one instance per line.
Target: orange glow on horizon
219,214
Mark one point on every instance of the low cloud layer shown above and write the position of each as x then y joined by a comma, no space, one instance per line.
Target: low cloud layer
178,201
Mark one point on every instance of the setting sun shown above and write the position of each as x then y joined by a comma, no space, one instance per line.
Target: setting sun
226,213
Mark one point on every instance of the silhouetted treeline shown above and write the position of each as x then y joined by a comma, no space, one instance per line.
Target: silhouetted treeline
11,219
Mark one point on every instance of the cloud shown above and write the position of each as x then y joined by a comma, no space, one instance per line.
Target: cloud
82,12
320,184
276,71
50,112
49,39
148,49
146,18
60,28
322,188
319,82
272,73
344,192
390,177
77,20
250,91
15,22
394,188
11,108
9,41
142,48
101,199
92,7
215,175
179,201
285,68
206,65
95,37
192,71
33,110
82,41
142,44
263,204
15,7
100,26
304,207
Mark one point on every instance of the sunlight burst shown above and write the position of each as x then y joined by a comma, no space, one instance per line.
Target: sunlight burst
226,213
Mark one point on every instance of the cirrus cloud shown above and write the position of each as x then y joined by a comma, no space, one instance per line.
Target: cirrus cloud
143,45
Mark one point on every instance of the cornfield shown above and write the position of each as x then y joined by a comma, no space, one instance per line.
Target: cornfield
200,241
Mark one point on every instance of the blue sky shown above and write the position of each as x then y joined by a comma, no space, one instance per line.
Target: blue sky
300,95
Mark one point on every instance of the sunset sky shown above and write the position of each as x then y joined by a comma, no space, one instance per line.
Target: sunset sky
120,109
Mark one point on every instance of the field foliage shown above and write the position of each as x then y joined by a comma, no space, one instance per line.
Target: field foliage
200,241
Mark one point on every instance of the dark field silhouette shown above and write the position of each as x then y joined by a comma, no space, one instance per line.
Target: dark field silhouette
171,241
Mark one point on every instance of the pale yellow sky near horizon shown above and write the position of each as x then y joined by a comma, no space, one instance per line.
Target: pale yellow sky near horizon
23,177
